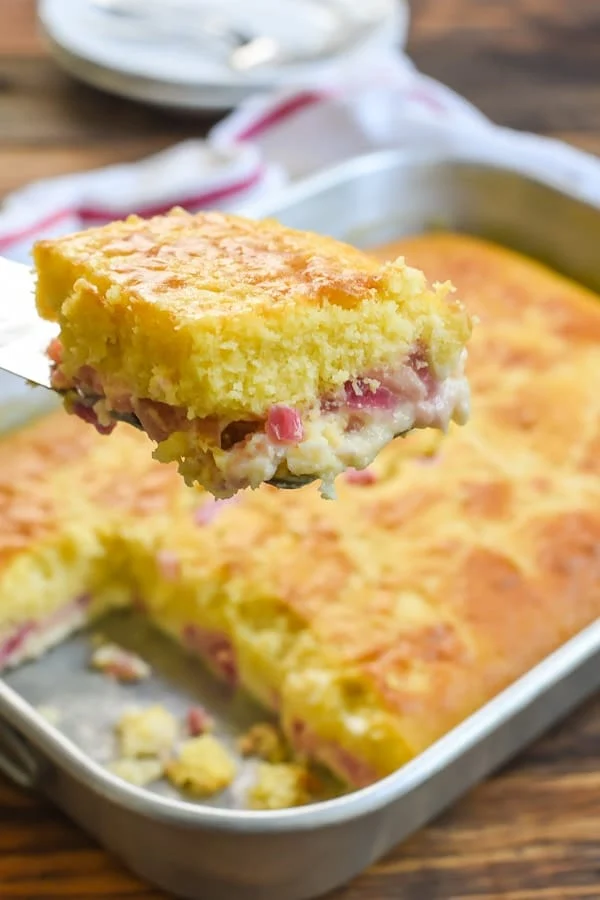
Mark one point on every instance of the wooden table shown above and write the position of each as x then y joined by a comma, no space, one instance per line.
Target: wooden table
532,832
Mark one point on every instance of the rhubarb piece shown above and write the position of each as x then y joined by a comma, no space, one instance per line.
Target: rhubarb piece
123,665
198,721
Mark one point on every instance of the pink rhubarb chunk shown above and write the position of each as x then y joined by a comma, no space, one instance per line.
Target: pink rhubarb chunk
169,565
360,476
88,414
352,769
361,395
215,648
284,425
54,351
205,514
198,721
13,643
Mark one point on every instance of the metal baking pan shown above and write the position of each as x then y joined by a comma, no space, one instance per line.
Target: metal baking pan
220,851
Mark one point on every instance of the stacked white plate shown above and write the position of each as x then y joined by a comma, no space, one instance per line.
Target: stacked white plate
211,54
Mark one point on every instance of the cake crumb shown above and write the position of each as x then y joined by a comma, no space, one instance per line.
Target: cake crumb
137,771
280,786
50,713
264,741
203,766
198,721
119,663
147,732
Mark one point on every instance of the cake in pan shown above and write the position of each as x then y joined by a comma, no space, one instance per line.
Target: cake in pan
248,351
374,624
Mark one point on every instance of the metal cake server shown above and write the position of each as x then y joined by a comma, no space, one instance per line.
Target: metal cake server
24,337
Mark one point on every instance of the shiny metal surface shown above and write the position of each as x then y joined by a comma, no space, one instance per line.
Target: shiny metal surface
223,852
290,483
24,337
380,197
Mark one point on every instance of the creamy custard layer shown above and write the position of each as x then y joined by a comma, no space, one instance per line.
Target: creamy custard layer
346,429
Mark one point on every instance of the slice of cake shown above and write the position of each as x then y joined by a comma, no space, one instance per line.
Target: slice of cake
247,351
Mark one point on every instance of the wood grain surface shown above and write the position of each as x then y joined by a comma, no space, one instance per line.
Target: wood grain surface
532,832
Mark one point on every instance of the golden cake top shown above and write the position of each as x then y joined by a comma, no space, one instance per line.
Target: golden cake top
227,316
214,263
30,508
57,474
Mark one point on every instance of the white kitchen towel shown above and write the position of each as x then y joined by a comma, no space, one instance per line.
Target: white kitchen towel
271,141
